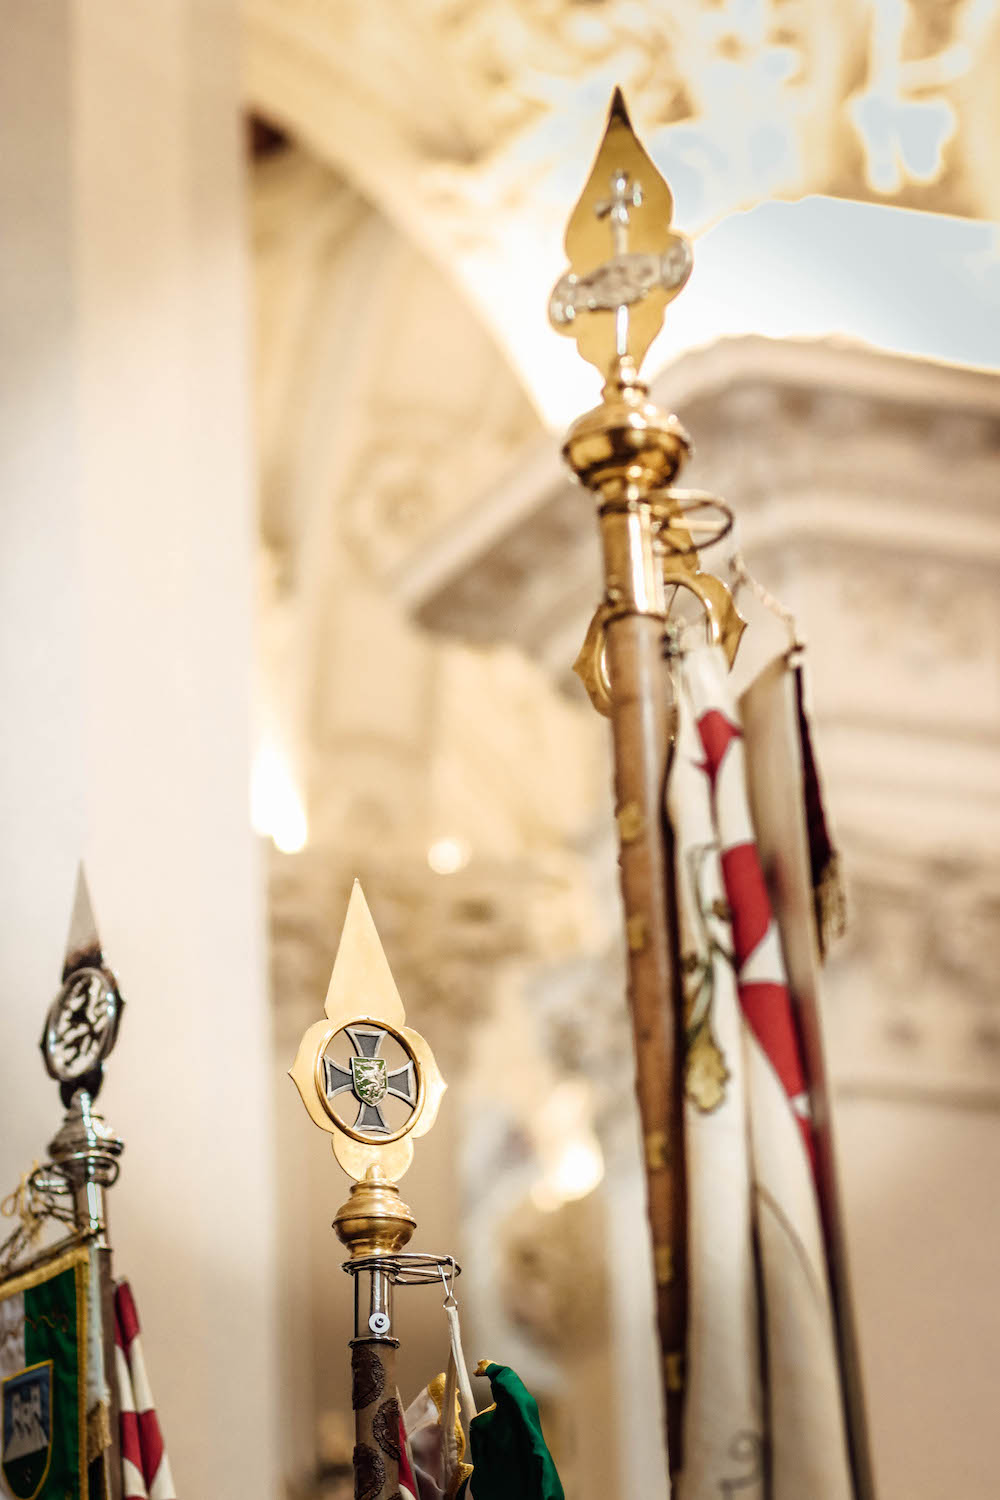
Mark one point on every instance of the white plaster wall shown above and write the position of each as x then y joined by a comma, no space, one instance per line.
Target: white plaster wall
924,1225
126,537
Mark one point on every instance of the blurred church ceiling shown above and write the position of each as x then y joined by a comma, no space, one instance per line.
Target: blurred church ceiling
471,124
407,480
427,570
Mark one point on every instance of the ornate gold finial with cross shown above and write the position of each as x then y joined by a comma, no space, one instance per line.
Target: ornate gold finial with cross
371,1082
613,304
626,265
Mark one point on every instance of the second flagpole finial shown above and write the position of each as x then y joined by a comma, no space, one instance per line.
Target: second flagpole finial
626,263
371,1082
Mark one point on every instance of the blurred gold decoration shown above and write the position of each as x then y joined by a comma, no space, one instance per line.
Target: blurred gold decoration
706,1072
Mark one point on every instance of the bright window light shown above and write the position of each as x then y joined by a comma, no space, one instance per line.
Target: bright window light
276,809
446,856
576,1171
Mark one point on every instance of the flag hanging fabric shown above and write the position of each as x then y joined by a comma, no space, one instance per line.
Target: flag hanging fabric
802,870
408,1489
764,1413
799,863
145,1468
43,1381
431,1463
510,1456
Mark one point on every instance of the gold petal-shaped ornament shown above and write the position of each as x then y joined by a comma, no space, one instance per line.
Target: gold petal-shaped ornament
362,997
625,262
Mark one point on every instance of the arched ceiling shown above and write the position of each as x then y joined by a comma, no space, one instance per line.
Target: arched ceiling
471,124
406,482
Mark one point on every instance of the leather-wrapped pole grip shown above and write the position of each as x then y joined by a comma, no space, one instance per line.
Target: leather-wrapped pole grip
376,1419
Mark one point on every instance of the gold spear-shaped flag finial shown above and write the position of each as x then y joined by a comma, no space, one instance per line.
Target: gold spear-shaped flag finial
626,265
625,262
364,1075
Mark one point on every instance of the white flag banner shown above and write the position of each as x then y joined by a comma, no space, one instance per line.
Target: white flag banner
764,1414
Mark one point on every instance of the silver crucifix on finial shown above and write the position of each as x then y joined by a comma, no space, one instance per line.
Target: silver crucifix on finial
624,196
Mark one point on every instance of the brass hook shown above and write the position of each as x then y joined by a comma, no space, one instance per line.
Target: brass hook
723,621
673,511
591,664
682,565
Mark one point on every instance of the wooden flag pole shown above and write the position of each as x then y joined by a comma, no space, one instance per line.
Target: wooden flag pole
641,735
626,264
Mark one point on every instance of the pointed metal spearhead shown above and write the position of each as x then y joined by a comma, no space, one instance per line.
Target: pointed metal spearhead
83,945
82,1025
626,263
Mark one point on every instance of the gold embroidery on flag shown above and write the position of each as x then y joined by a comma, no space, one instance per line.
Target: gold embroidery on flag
98,1430
705,1071
436,1390
47,1268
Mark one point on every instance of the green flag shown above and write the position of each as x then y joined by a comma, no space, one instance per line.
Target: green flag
510,1458
43,1381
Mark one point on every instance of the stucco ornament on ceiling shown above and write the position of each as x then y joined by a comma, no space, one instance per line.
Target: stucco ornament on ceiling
471,125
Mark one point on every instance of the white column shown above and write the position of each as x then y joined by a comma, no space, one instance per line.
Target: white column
126,547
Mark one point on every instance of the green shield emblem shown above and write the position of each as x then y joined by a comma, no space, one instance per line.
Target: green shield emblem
370,1078
27,1429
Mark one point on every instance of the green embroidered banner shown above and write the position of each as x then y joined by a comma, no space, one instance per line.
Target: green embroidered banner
510,1456
43,1381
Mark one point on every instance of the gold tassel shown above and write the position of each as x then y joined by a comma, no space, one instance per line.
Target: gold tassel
98,1430
831,905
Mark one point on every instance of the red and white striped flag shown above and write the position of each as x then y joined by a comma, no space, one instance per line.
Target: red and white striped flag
764,1414
145,1469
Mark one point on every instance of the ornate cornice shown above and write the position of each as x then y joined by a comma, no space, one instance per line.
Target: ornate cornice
864,486
465,125
815,440
912,1009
